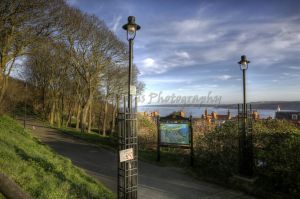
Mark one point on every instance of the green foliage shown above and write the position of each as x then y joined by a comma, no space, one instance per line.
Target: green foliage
107,142
39,171
276,152
277,148
216,152
147,132
1,196
274,126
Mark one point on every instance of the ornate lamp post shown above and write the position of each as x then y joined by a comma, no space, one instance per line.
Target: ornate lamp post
127,131
245,138
244,66
131,27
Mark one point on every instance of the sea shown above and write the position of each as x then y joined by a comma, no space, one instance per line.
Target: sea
198,111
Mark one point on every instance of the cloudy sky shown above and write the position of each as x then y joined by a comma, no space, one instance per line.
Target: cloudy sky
191,47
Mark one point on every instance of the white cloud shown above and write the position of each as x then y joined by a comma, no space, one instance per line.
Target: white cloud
182,54
202,86
116,23
189,25
149,66
294,67
224,77
166,62
165,80
291,75
149,62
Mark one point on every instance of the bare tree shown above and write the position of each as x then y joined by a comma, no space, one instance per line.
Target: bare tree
79,66
21,23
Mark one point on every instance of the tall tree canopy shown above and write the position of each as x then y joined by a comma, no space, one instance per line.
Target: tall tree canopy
77,66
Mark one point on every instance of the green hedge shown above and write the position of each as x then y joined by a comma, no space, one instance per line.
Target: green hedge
216,152
276,151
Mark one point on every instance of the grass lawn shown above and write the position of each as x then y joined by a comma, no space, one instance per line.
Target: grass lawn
40,171
94,138
1,196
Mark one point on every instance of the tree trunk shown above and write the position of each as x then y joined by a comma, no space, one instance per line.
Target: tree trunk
3,86
62,109
82,122
104,118
52,114
78,116
69,117
99,119
90,119
84,115
58,118
114,115
44,102
85,108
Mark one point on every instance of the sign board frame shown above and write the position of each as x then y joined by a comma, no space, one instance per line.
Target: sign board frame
126,154
175,119
164,124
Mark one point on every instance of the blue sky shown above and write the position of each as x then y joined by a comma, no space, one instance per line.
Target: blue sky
190,47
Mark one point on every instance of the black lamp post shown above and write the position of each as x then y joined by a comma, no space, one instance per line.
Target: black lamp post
244,66
131,27
127,131
245,139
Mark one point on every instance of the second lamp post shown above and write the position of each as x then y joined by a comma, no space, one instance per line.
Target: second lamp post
245,135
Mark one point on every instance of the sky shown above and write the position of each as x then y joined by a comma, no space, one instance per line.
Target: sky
191,47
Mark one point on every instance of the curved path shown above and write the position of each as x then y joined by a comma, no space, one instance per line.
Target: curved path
154,182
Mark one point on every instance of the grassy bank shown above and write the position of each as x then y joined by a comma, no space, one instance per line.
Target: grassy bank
40,171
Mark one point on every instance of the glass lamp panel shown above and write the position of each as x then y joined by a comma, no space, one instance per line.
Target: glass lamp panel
244,66
131,29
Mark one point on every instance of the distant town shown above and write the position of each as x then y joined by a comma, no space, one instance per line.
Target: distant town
284,105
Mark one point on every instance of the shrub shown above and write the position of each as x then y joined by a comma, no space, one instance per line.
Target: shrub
147,132
276,152
216,152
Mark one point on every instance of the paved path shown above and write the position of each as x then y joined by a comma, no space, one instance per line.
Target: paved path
154,182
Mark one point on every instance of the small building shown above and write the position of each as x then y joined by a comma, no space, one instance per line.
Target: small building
292,116
154,114
214,117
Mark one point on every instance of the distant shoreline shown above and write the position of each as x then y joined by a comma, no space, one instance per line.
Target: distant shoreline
271,105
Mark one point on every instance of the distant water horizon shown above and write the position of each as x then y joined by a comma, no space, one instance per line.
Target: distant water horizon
198,111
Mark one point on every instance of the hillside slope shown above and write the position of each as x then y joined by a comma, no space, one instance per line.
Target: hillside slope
40,171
